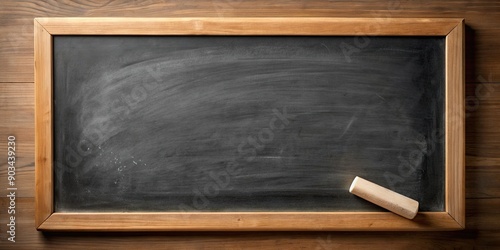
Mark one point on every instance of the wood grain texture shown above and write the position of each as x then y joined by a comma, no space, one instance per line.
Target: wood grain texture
455,124
482,142
17,102
248,221
483,138
43,123
247,26
16,50
482,232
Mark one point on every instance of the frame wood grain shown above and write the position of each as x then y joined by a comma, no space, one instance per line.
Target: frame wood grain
453,218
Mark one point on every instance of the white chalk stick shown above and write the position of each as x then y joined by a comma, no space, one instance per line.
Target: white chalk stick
388,199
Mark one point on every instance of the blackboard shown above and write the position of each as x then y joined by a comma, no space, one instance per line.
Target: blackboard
245,123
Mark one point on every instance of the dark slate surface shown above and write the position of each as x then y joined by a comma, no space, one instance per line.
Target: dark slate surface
245,123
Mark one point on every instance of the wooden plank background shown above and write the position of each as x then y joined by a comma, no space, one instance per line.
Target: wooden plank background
483,119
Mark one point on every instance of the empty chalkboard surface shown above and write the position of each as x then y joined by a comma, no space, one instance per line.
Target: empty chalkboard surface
153,123
246,123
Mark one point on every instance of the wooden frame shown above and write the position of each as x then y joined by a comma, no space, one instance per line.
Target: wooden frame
452,218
